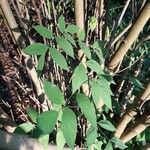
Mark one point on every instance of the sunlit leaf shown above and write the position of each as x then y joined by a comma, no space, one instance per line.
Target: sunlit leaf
60,140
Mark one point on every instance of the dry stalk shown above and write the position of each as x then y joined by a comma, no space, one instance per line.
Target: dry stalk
79,18
9,17
131,37
130,113
132,131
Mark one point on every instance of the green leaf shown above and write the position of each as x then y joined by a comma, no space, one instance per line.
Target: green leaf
24,128
72,29
61,24
36,49
58,58
70,39
85,49
99,49
81,35
93,65
69,126
109,146
100,89
107,125
53,92
65,45
87,108
32,113
60,140
92,23
79,77
43,31
118,142
46,121
41,62
91,136
44,141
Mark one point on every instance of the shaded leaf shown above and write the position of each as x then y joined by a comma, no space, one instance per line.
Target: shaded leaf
46,121
43,31
79,77
58,58
118,142
69,126
65,45
85,49
53,92
107,125
36,49
87,108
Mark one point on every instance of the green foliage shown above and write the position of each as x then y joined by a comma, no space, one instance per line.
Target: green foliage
46,121
61,119
61,24
53,92
85,49
33,114
24,128
60,139
87,108
100,89
58,58
65,45
79,77
118,143
36,49
72,29
107,125
69,126
44,32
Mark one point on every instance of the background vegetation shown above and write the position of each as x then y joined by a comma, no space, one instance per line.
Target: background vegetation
74,74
